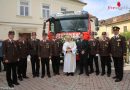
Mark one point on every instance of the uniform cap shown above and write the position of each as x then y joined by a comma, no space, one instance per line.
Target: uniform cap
44,34
115,28
92,33
11,33
34,33
104,33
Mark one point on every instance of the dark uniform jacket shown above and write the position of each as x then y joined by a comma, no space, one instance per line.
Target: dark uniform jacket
23,49
82,45
118,46
33,47
10,51
44,49
93,46
104,47
56,47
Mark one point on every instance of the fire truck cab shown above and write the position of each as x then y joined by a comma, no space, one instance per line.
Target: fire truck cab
71,23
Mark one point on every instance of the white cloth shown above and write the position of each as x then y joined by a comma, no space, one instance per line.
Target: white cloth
70,57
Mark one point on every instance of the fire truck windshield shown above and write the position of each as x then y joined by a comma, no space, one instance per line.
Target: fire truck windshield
72,25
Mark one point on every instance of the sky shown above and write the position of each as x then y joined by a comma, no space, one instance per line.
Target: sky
99,8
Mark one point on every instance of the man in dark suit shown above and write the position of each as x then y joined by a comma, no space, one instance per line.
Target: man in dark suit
44,52
104,52
82,46
10,55
93,53
33,49
118,52
23,53
56,48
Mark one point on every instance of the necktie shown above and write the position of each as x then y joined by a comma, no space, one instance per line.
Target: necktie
115,37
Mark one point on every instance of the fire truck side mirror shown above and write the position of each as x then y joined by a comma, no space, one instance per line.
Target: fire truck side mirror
96,28
52,19
96,22
44,26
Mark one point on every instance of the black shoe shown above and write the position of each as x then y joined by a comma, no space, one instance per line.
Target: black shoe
87,74
72,74
67,74
80,73
97,73
91,72
49,76
21,79
4,69
42,76
117,80
102,74
34,75
114,77
25,77
16,83
37,75
58,73
54,74
11,85
108,75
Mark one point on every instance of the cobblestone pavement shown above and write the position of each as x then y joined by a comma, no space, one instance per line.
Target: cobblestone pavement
76,82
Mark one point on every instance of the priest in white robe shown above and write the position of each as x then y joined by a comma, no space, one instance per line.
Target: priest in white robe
69,49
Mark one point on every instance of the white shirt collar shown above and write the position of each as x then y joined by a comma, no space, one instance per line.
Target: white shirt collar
44,40
117,36
10,40
104,39
54,39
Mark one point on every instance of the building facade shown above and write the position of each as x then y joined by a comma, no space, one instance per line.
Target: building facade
26,16
122,21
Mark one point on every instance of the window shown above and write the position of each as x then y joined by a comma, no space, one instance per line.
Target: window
125,28
63,9
71,25
24,8
45,11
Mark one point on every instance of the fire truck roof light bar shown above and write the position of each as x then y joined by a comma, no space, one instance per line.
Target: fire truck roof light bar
71,13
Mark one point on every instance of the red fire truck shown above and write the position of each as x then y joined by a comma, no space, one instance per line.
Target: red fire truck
70,23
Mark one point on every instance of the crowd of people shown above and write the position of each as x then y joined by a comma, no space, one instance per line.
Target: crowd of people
14,55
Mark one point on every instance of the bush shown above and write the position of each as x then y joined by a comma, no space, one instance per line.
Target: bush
126,35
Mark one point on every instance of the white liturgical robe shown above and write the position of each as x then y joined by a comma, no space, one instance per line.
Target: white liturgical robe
69,57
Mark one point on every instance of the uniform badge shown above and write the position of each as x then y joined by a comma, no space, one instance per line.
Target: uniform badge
15,45
58,44
93,43
118,44
105,45
118,40
47,45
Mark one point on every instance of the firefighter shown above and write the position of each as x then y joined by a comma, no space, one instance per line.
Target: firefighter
93,53
33,50
104,52
44,52
56,48
23,53
10,55
118,52
82,46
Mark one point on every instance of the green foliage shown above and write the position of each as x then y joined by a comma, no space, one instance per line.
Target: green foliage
126,34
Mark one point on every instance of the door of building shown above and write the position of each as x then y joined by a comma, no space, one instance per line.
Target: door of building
27,36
